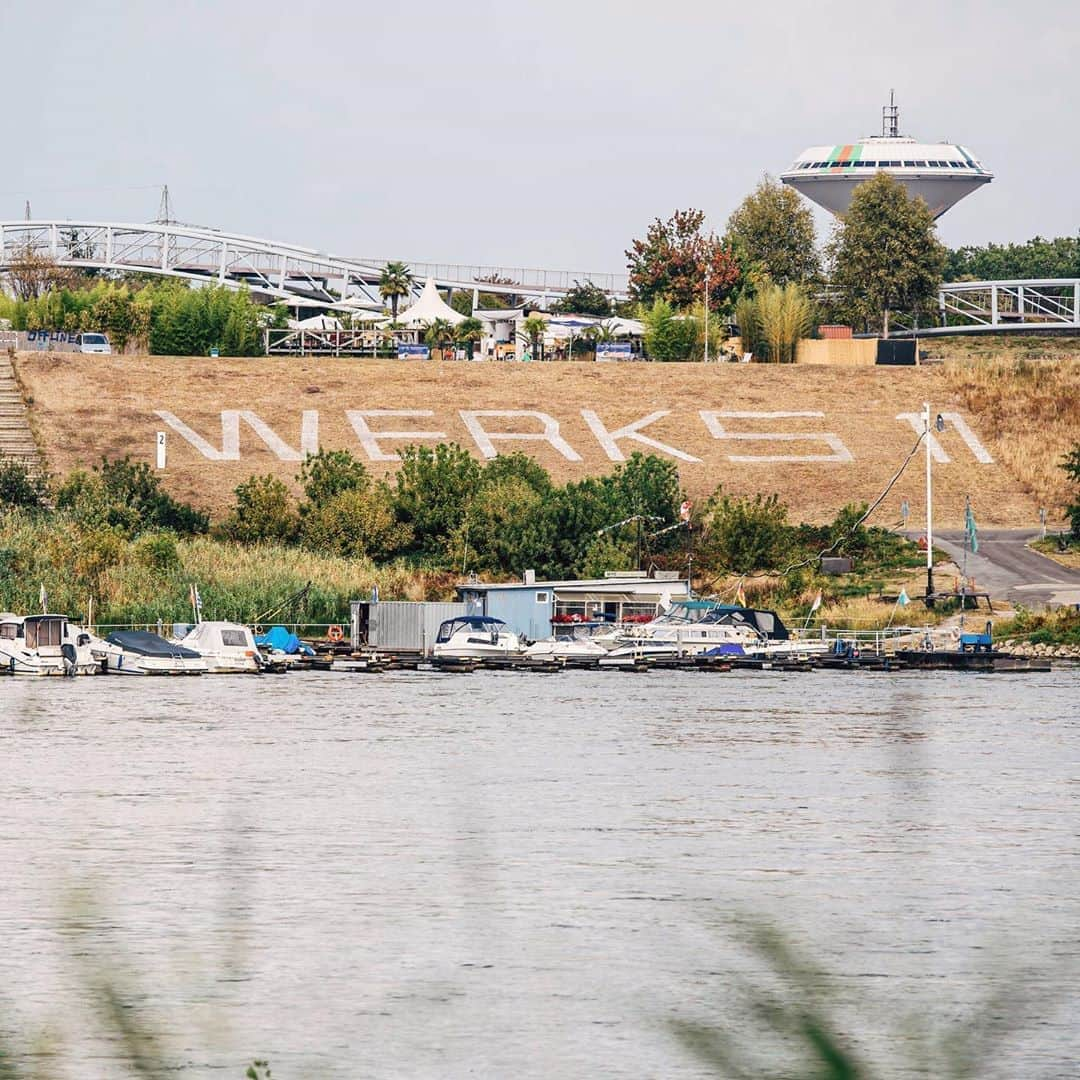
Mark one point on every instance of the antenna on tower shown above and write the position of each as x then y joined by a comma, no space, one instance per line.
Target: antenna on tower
890,118
165,214
26,212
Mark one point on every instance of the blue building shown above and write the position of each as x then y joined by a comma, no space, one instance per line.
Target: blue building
541,609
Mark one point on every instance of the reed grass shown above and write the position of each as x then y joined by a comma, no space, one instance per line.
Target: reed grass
149,579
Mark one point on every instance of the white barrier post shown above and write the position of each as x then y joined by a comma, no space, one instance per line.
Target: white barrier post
161,449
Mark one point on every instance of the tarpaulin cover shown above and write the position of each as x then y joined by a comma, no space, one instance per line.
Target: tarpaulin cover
277,637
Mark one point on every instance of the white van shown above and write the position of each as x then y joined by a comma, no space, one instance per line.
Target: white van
92,343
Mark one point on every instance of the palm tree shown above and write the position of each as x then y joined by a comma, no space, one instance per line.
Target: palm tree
439,334
394,283
534,329
468,333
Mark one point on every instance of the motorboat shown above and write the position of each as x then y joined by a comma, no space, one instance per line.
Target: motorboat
477,637
227,648
44,645
139,652
583,643
707,627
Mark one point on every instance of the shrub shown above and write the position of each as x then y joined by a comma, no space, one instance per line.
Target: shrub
156,551
263,511
745,535
20,487
330,472
357,523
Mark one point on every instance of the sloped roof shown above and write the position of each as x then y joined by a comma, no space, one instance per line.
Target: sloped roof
429,307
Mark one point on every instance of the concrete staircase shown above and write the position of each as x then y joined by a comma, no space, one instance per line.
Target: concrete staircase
16,438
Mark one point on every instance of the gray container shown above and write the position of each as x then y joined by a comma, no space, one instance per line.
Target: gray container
402,624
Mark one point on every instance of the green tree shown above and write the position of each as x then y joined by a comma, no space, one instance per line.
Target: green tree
744,536
395,281
21,487
439,335
671,261
885,254
772,234
534,328
127,495
241,334
1038,258
468,333
668,336
433,488
584,299
330,472
263,511
357,523
1071,464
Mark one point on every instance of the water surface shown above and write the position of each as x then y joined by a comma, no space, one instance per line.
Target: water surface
503,875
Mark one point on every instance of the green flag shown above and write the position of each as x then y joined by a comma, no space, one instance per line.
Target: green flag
969,527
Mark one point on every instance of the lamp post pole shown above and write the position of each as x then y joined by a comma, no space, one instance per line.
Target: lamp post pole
929,511
706,315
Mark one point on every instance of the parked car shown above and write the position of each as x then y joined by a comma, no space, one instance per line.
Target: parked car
92,343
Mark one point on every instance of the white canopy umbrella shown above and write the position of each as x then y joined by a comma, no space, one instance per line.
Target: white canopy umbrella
429,307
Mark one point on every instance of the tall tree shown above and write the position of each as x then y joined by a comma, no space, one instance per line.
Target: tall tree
395,281
772,234
584,299
671,262
885,253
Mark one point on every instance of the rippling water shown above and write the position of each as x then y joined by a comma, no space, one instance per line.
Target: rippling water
503,875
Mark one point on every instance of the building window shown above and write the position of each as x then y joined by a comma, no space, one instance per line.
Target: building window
542,597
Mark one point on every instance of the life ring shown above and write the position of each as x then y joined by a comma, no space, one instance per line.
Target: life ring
334,633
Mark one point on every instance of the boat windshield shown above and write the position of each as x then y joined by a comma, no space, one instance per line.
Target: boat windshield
482,624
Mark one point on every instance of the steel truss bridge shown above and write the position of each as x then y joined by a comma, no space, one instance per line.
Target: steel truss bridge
999,307
299,276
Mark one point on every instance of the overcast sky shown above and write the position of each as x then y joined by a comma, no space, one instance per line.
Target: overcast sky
518,134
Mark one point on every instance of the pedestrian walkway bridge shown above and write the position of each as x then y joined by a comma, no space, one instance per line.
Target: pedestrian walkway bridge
297,275
1001,307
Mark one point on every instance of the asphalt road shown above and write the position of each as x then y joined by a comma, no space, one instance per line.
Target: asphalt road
1004,566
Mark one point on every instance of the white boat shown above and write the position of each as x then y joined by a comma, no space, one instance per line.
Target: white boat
137,652
227,648
700,627
476,637
44,645
582,643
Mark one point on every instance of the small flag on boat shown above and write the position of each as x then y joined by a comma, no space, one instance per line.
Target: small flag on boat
684,510
969,528
740,596
816,604
43,596
903,599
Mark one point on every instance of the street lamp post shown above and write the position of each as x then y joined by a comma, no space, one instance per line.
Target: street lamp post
939,424
706,315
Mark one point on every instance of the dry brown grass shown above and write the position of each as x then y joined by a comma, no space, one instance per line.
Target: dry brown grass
86,407
1032,411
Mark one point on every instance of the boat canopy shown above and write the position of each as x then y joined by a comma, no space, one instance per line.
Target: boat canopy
143,643
483,624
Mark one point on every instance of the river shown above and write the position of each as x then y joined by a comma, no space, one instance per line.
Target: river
525,876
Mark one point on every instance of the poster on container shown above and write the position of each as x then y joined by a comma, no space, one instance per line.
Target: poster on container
613,350
413,352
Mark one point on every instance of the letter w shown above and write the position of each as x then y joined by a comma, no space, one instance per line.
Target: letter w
230,435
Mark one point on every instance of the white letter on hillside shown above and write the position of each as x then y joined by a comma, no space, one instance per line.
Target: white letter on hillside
840,452
485,440
369,439
978,451
230,435
609,439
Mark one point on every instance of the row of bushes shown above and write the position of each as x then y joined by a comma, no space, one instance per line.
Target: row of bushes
166,317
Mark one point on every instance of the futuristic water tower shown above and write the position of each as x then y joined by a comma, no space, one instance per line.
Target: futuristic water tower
942,173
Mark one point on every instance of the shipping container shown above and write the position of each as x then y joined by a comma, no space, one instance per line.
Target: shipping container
400,624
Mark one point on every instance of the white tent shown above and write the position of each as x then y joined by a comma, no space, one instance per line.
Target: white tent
429,307
316,322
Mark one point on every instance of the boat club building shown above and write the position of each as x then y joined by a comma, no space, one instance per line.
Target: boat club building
541,609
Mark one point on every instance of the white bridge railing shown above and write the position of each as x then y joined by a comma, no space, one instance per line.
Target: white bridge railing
288,272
